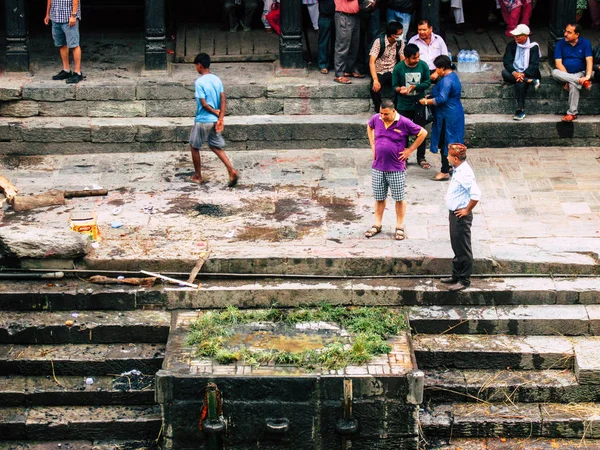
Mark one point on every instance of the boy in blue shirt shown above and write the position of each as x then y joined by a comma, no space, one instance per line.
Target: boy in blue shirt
209,121
574,64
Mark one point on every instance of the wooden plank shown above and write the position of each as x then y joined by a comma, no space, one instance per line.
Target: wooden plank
461,42
234,45
207,40
496,38
483,44
180,43
220,43
267,57
452,48
247,45
265,43
192,40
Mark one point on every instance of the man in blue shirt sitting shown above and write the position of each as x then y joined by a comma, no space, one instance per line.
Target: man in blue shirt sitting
574,64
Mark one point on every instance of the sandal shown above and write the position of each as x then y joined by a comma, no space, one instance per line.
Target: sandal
354,75
400,234
342,80
373,231
324,71
424,164
441,177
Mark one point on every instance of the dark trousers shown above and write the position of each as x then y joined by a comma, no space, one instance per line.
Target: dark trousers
347,38
325,41
386,91
445,164
520,88
421,150
231,8
460,239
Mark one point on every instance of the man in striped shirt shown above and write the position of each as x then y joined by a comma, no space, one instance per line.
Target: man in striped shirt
65,16
462,196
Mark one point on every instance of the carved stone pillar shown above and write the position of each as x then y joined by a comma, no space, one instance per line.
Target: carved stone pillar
17,38
562,12
290,41
156,41
430,10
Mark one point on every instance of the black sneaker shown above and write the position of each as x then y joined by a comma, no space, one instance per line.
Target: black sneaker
75,78
62,75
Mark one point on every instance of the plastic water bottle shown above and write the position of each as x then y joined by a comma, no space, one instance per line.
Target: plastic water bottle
477,62
471,62
460,61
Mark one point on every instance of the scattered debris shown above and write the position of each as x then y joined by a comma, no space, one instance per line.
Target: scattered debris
10,190
89,381
116,224
208,209
85,222
31,275
203,258
172,280
52,198
144,282
69,323
133,380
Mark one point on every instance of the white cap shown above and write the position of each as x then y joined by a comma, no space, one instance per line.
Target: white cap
521,29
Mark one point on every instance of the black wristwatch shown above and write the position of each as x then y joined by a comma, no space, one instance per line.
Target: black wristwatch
73,15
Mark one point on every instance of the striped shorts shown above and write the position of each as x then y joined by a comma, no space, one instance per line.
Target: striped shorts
382,181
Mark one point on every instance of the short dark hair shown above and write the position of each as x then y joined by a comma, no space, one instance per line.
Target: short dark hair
387,104
424,22
442,62
578,28
392,27
202,58
411,50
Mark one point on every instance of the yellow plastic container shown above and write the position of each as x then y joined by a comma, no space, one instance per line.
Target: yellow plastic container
85,222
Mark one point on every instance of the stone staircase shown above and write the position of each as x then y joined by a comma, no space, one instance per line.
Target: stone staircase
513,373
142,114
66,365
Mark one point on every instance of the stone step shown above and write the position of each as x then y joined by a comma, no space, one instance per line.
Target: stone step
511,420
525,386
493,352
73,295
80,359
53,423
76,135
510,444
69,444
70,294
74,391
97,327
566,320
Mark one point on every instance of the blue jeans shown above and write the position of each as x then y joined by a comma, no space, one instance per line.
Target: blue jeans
325,35
403,18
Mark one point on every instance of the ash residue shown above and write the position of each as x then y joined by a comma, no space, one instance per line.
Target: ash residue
207,209
133,381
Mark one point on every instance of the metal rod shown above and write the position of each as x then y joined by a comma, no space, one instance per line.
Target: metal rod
172,280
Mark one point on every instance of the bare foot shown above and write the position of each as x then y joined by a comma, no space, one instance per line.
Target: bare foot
196,179
233,179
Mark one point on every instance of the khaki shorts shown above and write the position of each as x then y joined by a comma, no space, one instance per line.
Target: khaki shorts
205,132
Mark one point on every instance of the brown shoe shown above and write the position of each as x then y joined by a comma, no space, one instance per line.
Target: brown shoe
569,118
448,280
457,287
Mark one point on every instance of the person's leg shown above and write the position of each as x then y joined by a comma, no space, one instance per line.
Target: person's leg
197,177
352,59
525,15
513,19
60,41
443,148
225,160
520,92
313,12
459,15
380,191
324,56
249,8
462,263
77,59
405,21
216,144
342,43
376,97
229,6
454,238
266,10
64,57
574,87
379,209
400,213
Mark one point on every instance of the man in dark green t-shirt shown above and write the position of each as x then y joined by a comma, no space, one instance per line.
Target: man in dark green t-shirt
410,80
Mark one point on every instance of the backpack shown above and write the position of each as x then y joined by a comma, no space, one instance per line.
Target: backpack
382,38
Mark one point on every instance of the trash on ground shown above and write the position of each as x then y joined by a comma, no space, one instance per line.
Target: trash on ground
134,281
231,234
89,381
133,380
116,224
69,323
85,222
172,280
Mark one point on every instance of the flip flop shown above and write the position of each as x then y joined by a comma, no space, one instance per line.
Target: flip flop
232,182
424,164
324,71
342,80
444,178
354,75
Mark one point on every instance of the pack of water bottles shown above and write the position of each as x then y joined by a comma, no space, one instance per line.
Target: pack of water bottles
468,61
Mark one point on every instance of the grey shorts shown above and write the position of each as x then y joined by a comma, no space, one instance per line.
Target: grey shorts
384,181
205,132
63,34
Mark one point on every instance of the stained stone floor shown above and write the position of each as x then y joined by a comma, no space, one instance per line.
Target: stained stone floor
539,205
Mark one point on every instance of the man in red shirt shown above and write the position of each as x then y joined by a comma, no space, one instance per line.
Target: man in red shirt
347,36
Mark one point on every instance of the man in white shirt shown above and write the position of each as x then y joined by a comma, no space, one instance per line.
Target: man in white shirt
462,196
430,45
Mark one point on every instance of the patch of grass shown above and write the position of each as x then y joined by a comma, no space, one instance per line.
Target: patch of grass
369,329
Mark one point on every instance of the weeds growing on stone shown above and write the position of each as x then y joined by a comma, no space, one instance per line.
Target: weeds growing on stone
368,327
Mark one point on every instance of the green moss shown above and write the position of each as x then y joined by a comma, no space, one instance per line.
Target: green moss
369,328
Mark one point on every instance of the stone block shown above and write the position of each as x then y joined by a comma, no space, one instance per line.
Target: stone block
251,90
587,361
112,91
116,109
357,89
148,133
326,106
70,108
579,421
47,91
259,106
475,420
75,130
8,93
285,89
67,148
102,131
165,108
35,242
19,108
593,312
152,90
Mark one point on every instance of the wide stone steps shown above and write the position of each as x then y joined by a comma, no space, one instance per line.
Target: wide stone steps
510,420
505,386
84,327
69,444
509,444
77,135
73,390
80,359
526,320
51,423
